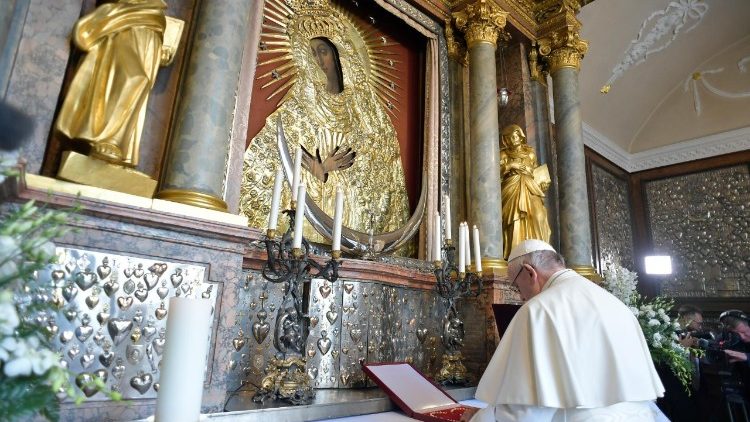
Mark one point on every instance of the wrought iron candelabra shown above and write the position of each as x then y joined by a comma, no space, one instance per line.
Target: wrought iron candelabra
451,286
286,377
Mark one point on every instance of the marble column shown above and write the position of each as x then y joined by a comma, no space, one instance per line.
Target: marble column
575,227
482,22
562,49
196,164
546,154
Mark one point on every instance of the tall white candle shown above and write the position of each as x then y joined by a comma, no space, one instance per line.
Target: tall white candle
477,253
296,173
273,219
184,361
465,228
461,249
338,216
447,216
299,217
436,241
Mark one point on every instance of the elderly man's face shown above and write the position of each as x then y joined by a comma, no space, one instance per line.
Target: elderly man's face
744,332
696,323
525,280
692,322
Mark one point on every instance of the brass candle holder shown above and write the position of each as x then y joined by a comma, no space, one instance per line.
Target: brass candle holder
286,376
451,286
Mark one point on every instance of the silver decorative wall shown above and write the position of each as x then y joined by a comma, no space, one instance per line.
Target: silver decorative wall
352,322
703,221
113,313
613,219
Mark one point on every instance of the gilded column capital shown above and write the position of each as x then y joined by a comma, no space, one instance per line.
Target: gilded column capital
455,44
481,22
560,43
537,67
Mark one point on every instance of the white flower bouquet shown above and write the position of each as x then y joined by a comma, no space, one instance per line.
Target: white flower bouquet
658,327
33,379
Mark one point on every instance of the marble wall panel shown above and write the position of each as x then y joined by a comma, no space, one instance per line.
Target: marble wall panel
12,18
511,61
472,311
613,216
702,220
39,68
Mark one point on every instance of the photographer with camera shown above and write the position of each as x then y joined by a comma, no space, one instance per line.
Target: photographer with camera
739,323
691,320
726,369
677,403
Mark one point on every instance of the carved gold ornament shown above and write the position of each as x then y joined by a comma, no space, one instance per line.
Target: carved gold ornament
537,71
337,85
456,46
560,44
481,21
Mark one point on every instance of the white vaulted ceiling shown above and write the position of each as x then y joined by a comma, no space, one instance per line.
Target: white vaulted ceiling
679,76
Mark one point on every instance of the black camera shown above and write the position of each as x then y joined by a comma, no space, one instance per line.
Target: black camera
714,345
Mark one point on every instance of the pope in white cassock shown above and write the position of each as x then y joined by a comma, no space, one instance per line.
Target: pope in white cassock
573,352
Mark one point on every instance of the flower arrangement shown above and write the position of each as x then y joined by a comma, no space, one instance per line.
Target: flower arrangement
33,378
621,283
657,326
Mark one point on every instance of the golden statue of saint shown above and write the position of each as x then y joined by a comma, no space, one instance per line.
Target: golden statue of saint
523,188
332,110
124,44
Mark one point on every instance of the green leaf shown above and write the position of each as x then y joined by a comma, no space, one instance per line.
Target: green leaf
27,396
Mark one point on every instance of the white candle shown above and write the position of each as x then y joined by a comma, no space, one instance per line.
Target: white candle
461,249
338,216
273,219
465,228
296,173
299,217
184,363
436,245
477,253
447,216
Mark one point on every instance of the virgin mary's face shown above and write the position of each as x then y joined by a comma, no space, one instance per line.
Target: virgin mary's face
324,57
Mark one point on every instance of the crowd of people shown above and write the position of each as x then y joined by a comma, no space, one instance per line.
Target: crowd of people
721,369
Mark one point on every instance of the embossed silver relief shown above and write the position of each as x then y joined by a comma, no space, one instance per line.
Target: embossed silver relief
702,220
363,322
613,219
112,317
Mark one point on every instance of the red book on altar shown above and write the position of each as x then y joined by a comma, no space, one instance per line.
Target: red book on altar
416,395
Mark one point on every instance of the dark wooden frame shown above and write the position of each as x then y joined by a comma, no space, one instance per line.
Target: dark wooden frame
643,240
594,158
641,230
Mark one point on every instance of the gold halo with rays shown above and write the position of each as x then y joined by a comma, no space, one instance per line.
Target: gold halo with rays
276,62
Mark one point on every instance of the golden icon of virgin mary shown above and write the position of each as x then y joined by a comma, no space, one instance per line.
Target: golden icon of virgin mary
332,110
